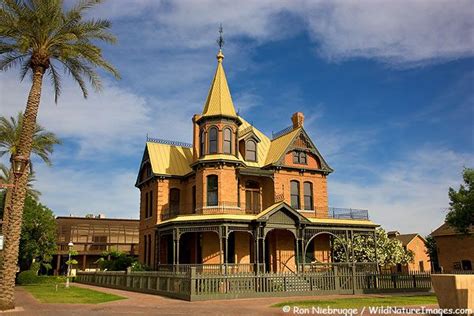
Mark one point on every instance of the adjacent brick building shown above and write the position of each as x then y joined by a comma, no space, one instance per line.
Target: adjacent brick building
237,196
417,244
455,250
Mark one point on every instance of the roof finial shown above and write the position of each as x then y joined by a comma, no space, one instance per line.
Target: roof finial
220,42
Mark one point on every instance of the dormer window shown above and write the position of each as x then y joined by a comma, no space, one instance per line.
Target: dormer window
251,150
227,143
213,140
300,157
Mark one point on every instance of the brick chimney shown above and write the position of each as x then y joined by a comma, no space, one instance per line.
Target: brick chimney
298,119
196,152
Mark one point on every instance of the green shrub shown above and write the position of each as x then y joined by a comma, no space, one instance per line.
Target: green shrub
48,279
27,277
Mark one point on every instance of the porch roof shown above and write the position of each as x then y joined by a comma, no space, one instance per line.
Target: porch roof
249,217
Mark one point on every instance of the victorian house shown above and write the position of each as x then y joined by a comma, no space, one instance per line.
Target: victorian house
238,198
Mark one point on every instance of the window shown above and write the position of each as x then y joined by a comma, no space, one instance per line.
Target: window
149,251
251,150
213,140
194,198
308,196
202,142
174,200
146,205
295,194
421,266
99,243
145,250
300,157
466,265
227,141
150,206
212,190
252,196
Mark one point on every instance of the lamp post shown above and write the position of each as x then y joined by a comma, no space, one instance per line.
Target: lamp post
70,245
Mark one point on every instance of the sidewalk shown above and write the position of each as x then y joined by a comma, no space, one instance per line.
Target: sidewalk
146,304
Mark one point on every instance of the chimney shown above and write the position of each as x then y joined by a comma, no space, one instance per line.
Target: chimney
298,119
196,152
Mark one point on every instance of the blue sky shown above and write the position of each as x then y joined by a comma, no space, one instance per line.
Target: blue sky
386,88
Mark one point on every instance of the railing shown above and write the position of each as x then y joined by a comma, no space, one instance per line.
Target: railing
168,142
348,213
191,284
223,207
232,268
282,132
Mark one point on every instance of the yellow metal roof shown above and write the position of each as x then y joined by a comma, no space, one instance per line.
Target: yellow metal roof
169,160
219,100
279,145
220,157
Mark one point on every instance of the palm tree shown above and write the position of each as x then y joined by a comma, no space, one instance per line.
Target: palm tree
5,178
40,37
43,141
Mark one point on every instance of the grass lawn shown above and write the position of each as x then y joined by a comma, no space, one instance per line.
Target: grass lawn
46,293
397,301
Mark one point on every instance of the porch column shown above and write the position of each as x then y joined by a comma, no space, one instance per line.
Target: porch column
221,254
375,249
158,248
226,248
297,240
353,264
256,238
263,253
84,260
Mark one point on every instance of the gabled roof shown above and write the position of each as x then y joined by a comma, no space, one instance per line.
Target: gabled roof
169,159
406,238
446,230
219,100
279,145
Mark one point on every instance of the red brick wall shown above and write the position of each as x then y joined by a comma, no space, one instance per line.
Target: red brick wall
210,248
281,250
453,249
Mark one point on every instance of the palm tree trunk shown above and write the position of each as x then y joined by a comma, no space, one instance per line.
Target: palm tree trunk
13,214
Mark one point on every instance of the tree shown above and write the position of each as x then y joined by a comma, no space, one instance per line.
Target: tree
6,179
40,36
432,252
461,210
390,252
43,141
38,234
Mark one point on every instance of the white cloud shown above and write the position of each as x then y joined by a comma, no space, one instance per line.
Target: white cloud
115,119
403,32
69,190
410,194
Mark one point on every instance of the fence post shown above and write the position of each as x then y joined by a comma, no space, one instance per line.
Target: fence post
353,278
336,279
192,283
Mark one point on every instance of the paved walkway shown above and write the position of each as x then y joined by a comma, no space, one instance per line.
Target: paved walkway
146,304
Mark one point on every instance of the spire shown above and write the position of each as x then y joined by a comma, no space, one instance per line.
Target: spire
219,100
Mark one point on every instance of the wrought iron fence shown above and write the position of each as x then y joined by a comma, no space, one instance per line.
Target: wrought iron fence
169,142
348,213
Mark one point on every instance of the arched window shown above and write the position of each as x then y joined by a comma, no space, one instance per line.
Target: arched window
295,194
252,196
251,151
213,140
174,200
202,142
308,196
212,190
227,141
